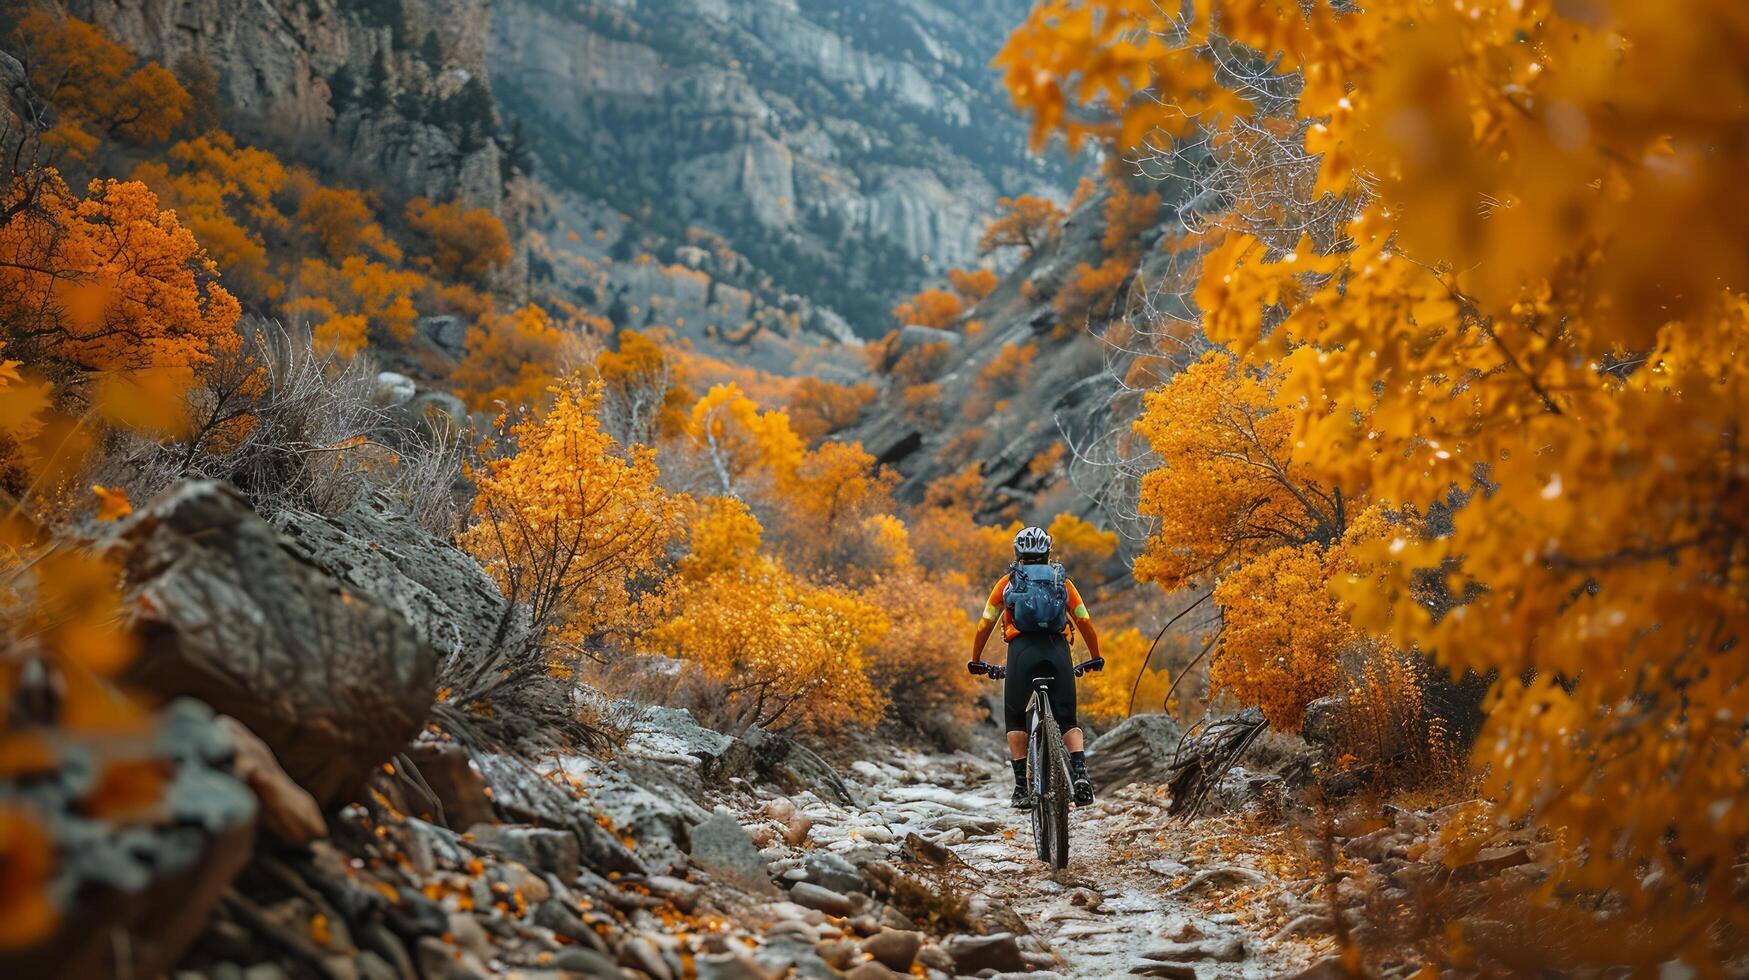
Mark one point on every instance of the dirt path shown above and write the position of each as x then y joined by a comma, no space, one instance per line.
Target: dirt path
1141,896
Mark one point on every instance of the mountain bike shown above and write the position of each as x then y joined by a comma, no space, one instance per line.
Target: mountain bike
1047,768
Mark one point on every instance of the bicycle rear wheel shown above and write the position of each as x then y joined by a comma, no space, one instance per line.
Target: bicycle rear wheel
1051,789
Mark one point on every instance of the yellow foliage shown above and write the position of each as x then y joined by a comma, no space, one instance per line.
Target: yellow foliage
569,520
789,654
741,441
1079,543
1540,286
1107,696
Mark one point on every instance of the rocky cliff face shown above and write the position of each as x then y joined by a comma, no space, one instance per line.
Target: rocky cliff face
391,92
841,152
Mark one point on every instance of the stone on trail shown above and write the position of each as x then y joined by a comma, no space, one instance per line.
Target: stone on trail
543,848
727,966
1171,971
870,971
810,895
999,952
829,870
896,949
588,962
720,845
1228,950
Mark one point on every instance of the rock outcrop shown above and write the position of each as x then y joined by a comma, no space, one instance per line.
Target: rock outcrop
839,153
335,680
390,91
132,882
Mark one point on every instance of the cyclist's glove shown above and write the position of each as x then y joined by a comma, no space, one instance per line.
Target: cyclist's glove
977,667
1096,664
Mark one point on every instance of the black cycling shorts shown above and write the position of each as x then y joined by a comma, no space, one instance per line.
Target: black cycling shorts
1033,655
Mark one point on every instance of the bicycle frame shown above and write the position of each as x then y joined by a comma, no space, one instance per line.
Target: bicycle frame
1048,769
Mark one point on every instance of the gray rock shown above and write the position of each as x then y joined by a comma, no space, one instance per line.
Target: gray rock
720,845
912,336
540,848
588,962
449,333
1137,750
440,591
132,895
684,894
999,952
1228,950
810,895
730,966
894,948
438,408
829,870
778,759
228,611
394,389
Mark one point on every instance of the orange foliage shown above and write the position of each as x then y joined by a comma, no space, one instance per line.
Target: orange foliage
224,193
1127,216
343,221
789,654
1094,287
1010,370
642,396
513,360
1025,222
73,294
1109,695
973,284
99,89
935,308
459,245
819,408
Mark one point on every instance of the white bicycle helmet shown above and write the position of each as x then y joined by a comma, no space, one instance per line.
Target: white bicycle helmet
1032,542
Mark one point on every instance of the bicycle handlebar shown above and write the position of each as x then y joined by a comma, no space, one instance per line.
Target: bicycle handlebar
997,672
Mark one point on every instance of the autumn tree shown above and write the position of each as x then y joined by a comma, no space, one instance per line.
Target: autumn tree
108,282
1025,222
100,90
514,359
789,654
569,522
936,308
643,398
1502,255
225,193
458,244
818,408
973,284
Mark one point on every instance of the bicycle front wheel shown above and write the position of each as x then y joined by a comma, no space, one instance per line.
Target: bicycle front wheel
1051,790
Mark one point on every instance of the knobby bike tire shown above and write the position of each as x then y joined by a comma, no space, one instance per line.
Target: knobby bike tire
1051,807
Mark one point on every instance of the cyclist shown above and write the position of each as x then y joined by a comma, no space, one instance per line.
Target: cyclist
1038,646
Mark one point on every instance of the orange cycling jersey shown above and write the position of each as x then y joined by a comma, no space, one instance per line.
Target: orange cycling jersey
996,605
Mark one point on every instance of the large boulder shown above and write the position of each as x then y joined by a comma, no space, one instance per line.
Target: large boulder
231,612
1138,749
443,594
142,837
768,757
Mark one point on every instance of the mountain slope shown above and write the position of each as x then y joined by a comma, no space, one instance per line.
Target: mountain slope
844,152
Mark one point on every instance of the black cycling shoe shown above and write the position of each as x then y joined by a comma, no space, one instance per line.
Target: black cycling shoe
1021,799
1083,791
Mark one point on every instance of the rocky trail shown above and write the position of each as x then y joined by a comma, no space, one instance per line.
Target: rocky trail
1112,912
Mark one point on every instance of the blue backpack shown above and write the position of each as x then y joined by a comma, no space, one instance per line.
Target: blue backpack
1038,597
